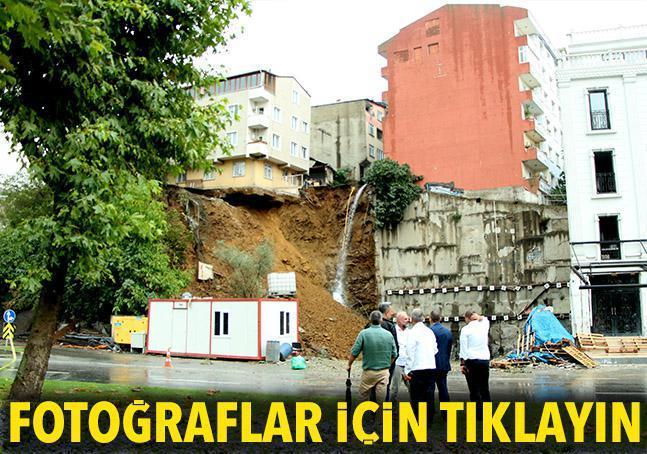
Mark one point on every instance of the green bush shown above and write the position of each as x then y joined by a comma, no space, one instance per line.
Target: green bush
248,269
341,177
395,188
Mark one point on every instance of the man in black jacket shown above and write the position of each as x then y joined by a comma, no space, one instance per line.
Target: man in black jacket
387,323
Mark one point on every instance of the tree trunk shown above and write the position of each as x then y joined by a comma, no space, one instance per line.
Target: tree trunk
28,384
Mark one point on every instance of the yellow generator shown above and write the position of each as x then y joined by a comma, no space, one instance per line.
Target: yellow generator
123,326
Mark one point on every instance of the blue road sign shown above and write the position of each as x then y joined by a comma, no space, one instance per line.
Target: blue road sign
9,316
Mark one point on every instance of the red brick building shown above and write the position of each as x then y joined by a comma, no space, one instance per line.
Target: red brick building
472,99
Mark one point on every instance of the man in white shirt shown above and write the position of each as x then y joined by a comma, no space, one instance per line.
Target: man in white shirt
420,362
475,358
401,320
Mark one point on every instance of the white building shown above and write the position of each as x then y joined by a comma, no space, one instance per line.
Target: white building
270,136
603,94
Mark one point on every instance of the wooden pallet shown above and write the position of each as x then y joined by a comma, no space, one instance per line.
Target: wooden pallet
592,341
580,357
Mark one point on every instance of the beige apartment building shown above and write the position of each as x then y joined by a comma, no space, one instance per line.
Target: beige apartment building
348,134
270,139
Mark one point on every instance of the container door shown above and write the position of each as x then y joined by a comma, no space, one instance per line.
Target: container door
197,342
234,329
279,322
161,322
178,330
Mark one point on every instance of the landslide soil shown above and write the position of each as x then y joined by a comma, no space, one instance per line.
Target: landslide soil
306,234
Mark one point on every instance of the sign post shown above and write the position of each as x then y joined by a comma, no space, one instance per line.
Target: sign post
8,331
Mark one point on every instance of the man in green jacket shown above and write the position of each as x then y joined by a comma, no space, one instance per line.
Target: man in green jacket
378,348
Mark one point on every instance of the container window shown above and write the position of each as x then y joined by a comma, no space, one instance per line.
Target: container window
216,324
225,323
282,323
220,323
287,323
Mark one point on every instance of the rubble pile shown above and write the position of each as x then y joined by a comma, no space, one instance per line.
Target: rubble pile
543,339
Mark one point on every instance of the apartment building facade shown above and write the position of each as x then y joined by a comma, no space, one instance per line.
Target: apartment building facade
270,139
603,93
348,134
472,99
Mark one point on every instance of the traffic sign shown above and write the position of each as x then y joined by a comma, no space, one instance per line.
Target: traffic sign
7,331
9,316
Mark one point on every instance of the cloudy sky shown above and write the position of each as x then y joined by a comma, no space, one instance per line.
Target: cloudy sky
330,46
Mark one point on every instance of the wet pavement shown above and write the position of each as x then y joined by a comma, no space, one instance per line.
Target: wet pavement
326,377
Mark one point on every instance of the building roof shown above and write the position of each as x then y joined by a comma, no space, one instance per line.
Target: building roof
377,103
234,76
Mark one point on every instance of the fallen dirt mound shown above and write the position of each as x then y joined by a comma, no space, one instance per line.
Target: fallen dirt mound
306,237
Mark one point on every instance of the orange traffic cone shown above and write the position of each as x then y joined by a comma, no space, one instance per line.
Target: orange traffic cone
167,363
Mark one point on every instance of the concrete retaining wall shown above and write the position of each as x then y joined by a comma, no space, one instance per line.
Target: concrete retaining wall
446,241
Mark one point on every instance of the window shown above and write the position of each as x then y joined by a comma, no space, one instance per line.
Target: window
276,114
220,323
401,55
380,115
233,109
371,151
379,134
232,137
605,178
417,54
239,168
284,323
267,170
371,130
294,147
523,54
295,97
305,127
181,178
295,122
304,152
210,175
276,141
432,26
599,110
433,48
380,154
609,238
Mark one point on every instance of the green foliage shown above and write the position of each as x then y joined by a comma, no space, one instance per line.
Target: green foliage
95,98
248,269
137,268
558,193
394,187
340,177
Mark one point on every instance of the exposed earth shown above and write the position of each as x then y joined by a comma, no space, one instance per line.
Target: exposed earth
306,234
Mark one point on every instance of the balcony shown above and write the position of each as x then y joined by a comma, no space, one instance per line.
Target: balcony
535,160
605,182
535,130
611,58
532,102
525,26
258,121
599,120
530,73
259,95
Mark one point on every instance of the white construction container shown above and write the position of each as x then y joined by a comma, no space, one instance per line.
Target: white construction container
282,284
215,328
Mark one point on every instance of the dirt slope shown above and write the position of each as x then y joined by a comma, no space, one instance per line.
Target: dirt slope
306,237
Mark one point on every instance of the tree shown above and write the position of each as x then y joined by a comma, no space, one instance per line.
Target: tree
248,268
558,192
395,188
137,268
96,96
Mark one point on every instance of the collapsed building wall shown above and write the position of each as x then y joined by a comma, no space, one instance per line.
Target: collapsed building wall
446,243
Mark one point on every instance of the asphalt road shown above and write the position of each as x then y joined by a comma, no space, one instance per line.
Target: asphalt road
326,377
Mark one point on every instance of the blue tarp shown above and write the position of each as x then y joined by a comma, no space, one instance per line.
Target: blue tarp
546,326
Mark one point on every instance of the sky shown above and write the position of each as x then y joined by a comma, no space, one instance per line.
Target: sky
330,46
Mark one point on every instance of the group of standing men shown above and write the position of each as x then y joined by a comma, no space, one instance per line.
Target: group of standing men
415,355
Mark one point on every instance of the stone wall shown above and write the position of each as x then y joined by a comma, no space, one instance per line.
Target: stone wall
447,241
